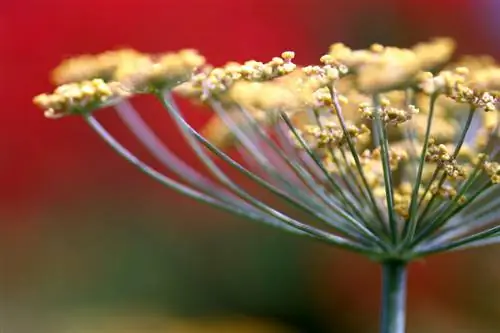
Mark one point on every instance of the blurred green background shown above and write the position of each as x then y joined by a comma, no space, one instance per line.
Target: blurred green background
88,244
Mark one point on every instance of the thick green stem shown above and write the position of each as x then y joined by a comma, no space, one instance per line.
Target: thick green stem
393,312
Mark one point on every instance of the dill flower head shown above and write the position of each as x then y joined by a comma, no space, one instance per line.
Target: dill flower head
434,54
158,71
378,68
89,66
216,83
391,151
81,97
137,71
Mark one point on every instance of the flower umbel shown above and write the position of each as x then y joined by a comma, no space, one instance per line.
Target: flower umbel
382,154
76,98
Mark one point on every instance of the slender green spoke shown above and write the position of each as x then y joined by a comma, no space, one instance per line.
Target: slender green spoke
435,173
464,131
410,136
347,182
470,240
444,211
477,222
350,205
281,194
490,240
483,204
454,156
470,200
165,99
462,223
311,185
183,189
296,203
355,179
162,153
291,160
388,184
412,222
310,172
184,126
366,203
268,167
346,173
344,176
432,227
352,148
475,207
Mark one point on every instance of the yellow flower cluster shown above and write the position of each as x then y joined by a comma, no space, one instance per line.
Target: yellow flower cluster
381,69
134,69
90,66
395,156
331,134
402,199
440,154
77,98
216,82
144,74
389,115
457,85
492,169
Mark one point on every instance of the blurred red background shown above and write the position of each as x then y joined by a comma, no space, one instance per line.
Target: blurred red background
57,179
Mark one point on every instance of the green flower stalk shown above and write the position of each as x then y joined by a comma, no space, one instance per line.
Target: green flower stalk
391,152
